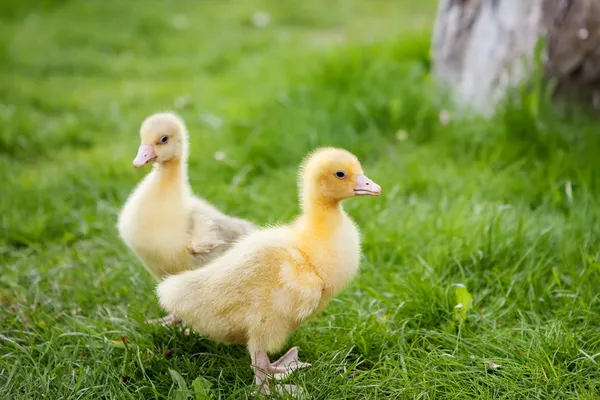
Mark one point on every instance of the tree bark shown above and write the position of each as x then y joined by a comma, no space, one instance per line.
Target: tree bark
482,48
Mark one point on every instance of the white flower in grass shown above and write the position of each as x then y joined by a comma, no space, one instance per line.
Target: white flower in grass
182,101
402,135
220,156
180,22
492,365
211,120
445,117
261,19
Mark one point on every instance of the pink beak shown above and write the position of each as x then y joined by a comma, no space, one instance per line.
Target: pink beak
145,155
366,187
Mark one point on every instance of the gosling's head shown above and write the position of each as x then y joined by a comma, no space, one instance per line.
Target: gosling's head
163,138
331,175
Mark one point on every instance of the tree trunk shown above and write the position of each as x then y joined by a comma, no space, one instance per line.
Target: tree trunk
482,48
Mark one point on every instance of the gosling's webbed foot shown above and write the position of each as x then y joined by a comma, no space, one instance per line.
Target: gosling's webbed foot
167,320
290,362
293,390
204,248
265,370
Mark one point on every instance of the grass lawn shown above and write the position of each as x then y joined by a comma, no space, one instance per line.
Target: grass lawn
509,207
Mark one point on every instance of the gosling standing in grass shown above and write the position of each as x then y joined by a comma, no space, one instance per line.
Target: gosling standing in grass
162,222
273,280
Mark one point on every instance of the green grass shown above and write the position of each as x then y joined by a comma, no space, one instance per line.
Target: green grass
509,207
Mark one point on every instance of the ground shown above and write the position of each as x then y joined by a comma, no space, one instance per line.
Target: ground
509,207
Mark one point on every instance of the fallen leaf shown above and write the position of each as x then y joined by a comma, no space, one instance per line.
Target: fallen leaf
202,388
463,303
170,352
6,297
178,379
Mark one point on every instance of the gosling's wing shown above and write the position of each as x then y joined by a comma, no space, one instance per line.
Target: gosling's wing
210,226
232,229
213,233
302,283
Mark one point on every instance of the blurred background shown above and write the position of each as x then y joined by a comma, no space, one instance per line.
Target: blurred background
504,202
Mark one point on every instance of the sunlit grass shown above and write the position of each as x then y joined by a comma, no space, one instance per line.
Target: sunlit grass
508,207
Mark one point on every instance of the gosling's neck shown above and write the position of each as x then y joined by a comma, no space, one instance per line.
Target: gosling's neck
322,245
321,215
172,175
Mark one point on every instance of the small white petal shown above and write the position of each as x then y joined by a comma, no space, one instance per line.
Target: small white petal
445,117
261,19
181,101
212,121
402,135
179,22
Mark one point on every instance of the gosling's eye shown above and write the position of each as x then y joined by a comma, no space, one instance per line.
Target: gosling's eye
340,174
163,139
